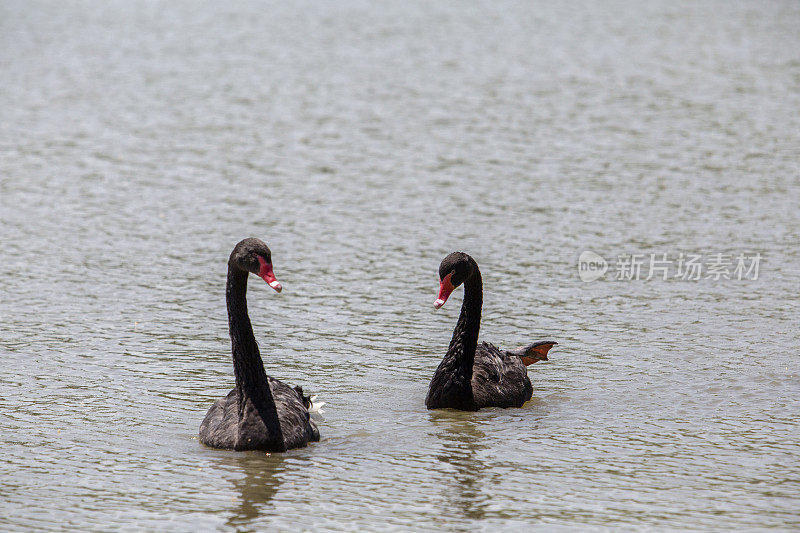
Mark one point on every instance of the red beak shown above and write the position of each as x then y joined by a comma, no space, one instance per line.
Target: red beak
445,288
266,273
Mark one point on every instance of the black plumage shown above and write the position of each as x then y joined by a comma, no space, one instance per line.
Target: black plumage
473,375
260,413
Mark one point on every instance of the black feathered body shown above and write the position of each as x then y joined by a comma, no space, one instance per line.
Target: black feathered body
223,427
499,378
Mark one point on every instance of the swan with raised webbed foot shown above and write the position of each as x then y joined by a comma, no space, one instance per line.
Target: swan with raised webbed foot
473,375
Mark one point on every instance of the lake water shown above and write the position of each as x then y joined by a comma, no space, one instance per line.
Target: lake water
139,141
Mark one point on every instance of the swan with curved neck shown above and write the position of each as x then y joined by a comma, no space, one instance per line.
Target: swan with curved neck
260,413
473,375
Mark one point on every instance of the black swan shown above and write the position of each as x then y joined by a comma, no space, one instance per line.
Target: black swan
260,413
473,375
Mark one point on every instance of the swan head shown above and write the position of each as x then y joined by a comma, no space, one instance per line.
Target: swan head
254,256
454,270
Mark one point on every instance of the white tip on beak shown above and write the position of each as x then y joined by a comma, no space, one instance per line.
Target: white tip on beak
438,303
275,285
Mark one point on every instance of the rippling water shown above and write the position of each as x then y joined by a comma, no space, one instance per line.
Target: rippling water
139,141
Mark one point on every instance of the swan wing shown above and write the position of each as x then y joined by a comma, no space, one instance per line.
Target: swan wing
296,424
219,427
499,379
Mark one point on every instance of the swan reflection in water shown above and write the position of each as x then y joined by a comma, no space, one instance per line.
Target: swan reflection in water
461,445
262,479
464,466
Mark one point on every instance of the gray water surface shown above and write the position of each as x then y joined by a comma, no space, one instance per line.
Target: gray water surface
139,141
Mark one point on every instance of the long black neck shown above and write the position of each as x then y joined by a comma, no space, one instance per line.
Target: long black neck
465,335
251,379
